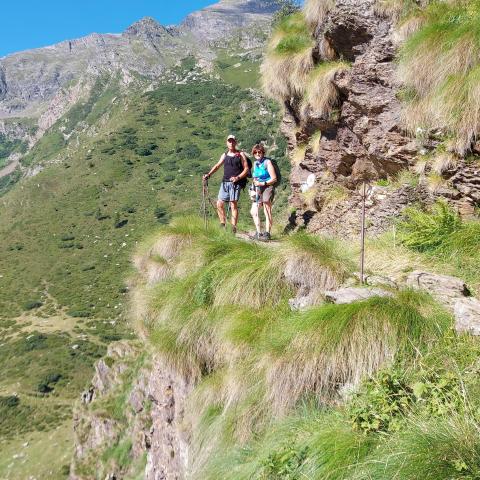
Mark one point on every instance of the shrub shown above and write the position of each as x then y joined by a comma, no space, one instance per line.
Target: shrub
79,313
425,231
32,304
382,403
46,384
10,401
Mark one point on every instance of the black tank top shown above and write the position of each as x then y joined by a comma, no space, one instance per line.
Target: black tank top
232,166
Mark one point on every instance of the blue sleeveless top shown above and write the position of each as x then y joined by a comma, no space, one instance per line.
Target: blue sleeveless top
260,170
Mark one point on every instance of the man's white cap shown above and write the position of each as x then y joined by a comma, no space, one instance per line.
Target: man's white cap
232,137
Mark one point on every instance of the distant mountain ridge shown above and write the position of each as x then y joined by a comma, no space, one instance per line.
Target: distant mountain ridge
29,80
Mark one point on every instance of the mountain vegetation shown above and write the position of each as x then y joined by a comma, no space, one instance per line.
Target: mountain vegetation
380,388
119,162
105,261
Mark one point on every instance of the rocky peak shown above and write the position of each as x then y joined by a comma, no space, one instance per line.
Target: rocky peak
213,22
146,27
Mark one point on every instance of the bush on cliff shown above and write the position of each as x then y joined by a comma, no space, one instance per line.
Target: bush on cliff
288,59
440,63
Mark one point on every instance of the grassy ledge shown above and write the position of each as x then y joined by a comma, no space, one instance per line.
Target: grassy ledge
330,392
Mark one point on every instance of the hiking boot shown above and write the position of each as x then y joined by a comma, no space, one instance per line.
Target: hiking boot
265,237
255,236
222,225
234,229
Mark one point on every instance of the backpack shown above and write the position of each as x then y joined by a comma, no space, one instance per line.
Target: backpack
278,173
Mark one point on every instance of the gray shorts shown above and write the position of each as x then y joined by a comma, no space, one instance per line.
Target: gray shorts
229,192
264,194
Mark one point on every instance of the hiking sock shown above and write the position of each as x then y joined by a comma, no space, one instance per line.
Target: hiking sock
222,225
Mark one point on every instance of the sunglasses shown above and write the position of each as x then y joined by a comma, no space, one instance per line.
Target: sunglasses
258,152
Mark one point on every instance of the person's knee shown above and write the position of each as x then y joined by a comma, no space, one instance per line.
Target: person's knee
234,206
220,204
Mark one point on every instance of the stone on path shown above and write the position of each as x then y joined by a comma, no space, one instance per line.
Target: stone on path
354,294
467,315
445,289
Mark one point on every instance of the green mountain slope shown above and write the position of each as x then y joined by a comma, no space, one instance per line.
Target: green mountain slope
112,169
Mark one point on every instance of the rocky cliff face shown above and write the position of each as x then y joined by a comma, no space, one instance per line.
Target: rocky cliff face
364,137
146,421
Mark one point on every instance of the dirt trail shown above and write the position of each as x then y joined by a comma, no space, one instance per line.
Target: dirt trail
9,168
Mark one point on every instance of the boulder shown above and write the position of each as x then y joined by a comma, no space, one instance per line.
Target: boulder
355,294
467,315
445,289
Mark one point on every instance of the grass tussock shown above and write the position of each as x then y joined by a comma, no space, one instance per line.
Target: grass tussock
314,143
334,195
315,12
321,94
429,449
319,263
447,243
298,154
338,345
439,62
288,59
443,162
308,444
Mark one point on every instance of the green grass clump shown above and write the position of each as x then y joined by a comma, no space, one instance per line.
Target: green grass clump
294,35
440,62
448,242
425,231
307,444
447,448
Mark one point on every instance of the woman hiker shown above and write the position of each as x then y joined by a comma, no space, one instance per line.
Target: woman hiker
235,171
264,180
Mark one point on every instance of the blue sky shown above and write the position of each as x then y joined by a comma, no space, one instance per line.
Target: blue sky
33,23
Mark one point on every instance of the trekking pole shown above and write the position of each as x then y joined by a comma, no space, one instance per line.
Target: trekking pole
204,201
257,196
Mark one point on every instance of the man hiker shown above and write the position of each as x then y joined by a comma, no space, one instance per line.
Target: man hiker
235,172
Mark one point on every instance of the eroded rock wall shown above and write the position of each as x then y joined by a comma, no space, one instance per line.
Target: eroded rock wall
364,137
135,405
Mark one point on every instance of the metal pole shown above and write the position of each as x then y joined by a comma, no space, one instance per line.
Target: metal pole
362,237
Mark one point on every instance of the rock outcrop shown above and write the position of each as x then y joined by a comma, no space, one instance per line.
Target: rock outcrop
364,137
3,84
222,22
137,403
467,316
444,288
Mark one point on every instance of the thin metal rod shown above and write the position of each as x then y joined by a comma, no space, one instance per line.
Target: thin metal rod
362,237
